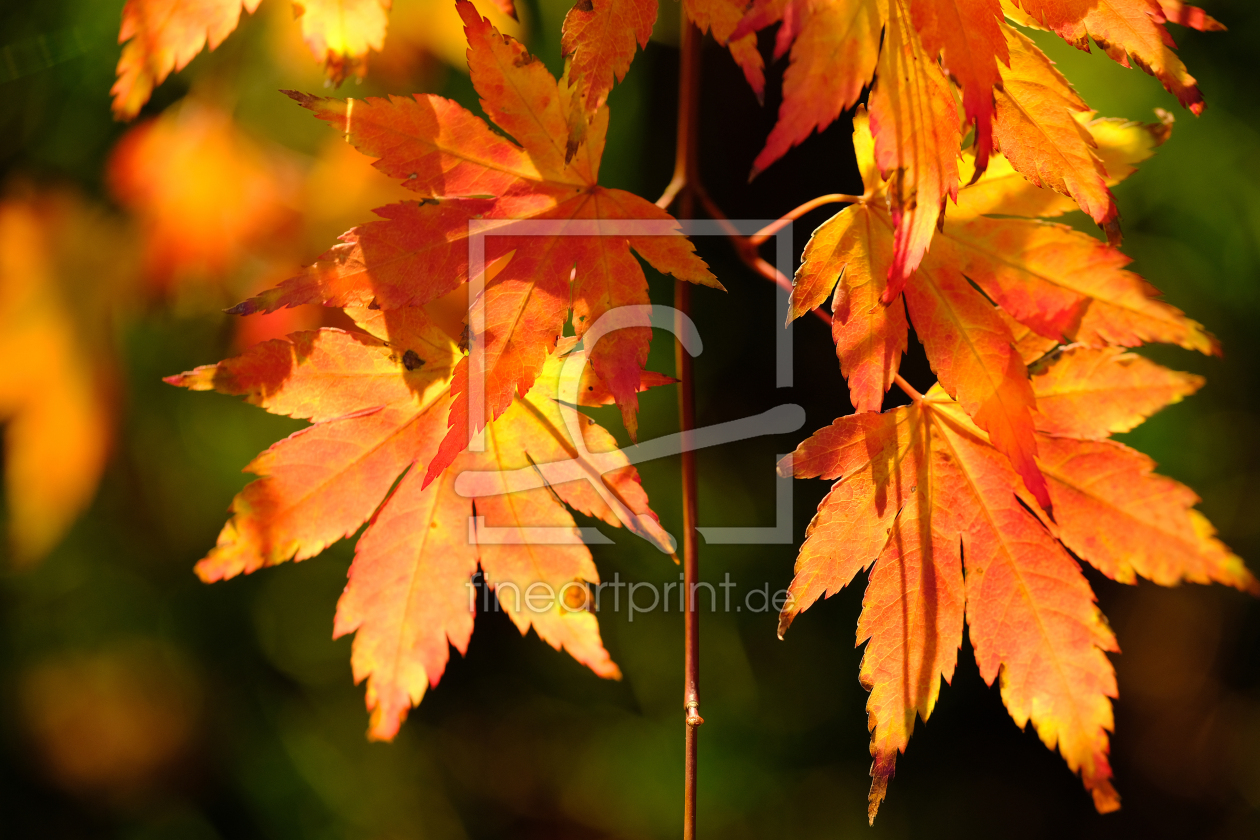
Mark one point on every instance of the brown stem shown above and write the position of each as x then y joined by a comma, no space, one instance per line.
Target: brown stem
792,215
747,250
685,186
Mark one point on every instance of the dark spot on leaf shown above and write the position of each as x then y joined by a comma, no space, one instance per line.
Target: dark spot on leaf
374,304
464,338
584,6
412,360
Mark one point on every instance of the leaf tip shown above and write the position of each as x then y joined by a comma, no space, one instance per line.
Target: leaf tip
785,621
306,100
1106,800
881,773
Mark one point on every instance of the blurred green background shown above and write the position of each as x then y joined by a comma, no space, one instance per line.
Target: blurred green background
136,702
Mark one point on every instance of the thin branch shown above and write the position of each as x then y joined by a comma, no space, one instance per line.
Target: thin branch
671,191
792,215
684,187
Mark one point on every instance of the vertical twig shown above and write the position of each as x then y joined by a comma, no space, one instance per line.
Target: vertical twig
683,186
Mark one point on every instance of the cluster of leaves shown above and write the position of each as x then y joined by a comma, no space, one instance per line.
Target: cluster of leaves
1008,470
395,402
163,36
974,503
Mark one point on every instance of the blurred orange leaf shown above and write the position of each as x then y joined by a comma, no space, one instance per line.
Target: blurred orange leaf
340,32
106,724
56,290
203,191
162,36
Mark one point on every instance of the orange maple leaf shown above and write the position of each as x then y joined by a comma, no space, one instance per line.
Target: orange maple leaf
599,39
162,36
920,493
58,283
1062,284
1011,94
1038,131
721,18
203,190
840,39
1128,31
340,32
967,35
378,403
463,171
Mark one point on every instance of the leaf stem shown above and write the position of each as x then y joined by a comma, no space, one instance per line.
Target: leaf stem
747,250
792,215
907,388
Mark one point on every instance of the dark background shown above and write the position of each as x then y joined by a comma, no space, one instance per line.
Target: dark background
255,727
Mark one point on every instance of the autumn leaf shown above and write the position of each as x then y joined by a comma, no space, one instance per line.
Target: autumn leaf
915,125
721,18
968,36
59,282
378,404
914,484
204,192
1041,137
1064,285
462,170
1192,16
599,39
1131,32
935,50
341,32
162,36
840,38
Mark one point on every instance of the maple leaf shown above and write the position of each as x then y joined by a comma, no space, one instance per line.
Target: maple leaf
68,264
340,32
378,404
915,125
721,19
920,493
204,192
1011,94
1041,137
1063,284
967,34
162,36
1131,32
599,39
841,36
463,171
